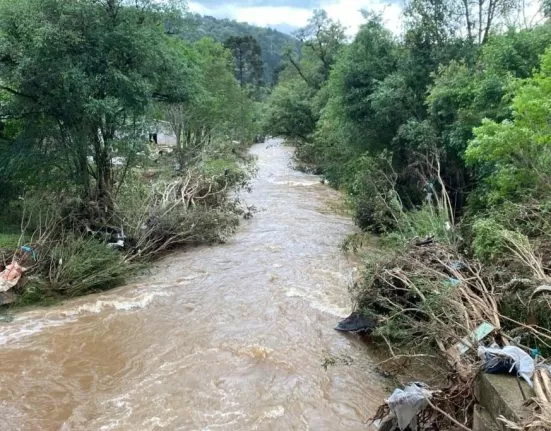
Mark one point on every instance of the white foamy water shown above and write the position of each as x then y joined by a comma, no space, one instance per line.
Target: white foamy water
32,323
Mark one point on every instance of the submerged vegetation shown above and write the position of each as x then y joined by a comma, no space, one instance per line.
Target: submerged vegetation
440,139
89,92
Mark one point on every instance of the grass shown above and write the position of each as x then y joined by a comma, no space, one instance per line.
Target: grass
9,240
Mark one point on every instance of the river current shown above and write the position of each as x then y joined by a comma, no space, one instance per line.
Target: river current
236,336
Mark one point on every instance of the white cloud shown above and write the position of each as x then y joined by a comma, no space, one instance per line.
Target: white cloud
348,12
273,15
218,12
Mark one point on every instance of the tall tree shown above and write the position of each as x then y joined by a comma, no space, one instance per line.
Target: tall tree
321,42
214,107
473,18
82,76
247,53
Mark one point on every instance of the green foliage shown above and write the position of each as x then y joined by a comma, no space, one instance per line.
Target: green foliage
78,266
321,42
289,112
272,42
247,56
296,104
82,76
371,184
216,109
488,240
427,222
9,240
419,99
35,292
367,61
513,156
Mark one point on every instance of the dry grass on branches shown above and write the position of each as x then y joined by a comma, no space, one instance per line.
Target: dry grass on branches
183,210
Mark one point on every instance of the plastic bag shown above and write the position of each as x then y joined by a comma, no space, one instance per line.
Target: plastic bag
407,403
507,359
10,276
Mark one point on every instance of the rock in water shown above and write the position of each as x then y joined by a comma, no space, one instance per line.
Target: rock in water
7,298
357,323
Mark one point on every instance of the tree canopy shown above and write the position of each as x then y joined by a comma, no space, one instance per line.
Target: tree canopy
408,100
80,83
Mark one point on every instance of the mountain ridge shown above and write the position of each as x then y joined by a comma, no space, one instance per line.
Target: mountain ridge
271,41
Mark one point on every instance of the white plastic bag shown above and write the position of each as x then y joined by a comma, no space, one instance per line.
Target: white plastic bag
523,363
407,403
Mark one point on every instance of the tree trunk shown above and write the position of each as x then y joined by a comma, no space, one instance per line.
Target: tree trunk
84,174
103,174
179,149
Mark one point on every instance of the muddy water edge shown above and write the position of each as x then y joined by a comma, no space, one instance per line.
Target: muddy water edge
234,337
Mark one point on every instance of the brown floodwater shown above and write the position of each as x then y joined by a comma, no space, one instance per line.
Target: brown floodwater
229,337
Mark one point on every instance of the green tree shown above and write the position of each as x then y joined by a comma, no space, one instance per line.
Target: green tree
216,105
82,76
289,113
248,60
357,75
513,156
475,19
196,27
321,42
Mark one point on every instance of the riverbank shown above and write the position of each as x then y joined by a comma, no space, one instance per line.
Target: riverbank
67,247
437,307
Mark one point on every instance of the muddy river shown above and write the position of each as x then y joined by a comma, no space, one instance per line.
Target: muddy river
233,337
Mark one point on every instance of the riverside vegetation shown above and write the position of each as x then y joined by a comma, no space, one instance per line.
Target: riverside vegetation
83,85
439,137
441,140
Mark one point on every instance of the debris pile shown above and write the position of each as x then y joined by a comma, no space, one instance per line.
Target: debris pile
431,296
418,407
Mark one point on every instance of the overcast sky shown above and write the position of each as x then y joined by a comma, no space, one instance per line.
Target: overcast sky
288,15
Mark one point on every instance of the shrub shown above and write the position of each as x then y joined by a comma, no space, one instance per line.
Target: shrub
371,183
82,265
488,241
189,209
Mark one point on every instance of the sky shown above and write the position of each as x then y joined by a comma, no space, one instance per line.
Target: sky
289,15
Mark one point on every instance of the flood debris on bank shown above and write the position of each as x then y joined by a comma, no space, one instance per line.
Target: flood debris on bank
68,247
430,301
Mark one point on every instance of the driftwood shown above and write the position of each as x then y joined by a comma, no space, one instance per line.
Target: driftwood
179,211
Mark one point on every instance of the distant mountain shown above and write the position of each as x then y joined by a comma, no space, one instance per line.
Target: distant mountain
271,41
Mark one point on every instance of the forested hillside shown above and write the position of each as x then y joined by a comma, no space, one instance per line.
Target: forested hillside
272,42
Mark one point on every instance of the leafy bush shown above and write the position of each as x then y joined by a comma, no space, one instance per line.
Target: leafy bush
513,157
371,183
82,265
487,242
